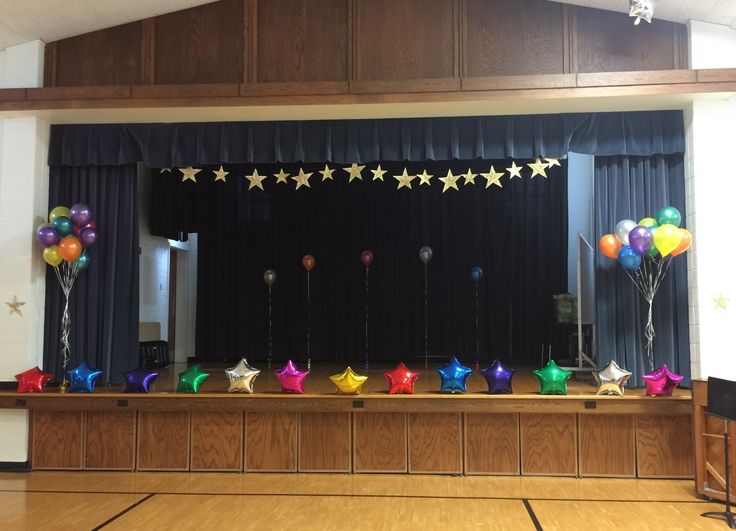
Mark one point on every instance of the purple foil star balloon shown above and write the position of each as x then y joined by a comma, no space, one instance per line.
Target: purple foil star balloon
499,378
291,378
661,382
138,380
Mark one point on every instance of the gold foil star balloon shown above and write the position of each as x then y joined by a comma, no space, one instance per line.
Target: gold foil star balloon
241,377
611,380
348,382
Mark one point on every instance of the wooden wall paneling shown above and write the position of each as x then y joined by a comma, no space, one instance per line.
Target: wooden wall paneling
148,51
250,41
203,44
606,445
217,440
325,442
513,37
56,440
491,443
271,441
49,65
109,440
664,446
380,442
435,443
405,39
163,440
110,56
548,444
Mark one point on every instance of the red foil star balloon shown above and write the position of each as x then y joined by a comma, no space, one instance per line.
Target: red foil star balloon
33,380
291,378
401,380
661,382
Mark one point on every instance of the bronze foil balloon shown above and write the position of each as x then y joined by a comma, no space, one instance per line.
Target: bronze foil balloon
308,262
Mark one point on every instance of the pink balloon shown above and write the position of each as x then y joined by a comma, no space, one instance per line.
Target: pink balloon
366,257
291,378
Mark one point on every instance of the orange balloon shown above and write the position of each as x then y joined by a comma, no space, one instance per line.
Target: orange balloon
308,262
70,248
685,242
609,246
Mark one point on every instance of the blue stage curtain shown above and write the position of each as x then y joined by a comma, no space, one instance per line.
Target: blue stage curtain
104,301
634,188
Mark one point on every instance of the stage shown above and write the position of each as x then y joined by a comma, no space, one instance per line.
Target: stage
579,434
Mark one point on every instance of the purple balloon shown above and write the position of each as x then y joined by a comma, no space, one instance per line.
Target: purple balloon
138,380
47,235
81,215
499,378
88,237
640,239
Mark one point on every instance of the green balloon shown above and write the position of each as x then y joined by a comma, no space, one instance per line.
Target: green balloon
63,225
669,216
553,379
191,379
648,222
653,251
82,262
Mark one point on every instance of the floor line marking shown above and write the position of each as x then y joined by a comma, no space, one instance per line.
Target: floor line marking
121,513
533,516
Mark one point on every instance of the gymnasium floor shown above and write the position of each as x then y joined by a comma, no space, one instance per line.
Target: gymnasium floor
151,501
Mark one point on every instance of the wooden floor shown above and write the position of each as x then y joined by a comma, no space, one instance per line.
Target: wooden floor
151,501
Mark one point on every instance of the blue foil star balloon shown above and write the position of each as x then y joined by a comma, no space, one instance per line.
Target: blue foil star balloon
138,380
454,375
83,378
499,378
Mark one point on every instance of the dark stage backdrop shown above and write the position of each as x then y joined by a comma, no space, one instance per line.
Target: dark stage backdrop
517,234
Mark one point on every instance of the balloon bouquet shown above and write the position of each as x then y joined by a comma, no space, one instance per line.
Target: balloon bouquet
65,238
645,251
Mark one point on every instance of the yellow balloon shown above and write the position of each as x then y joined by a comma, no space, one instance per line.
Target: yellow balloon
58,212
648,222
667,238
348,382
52,256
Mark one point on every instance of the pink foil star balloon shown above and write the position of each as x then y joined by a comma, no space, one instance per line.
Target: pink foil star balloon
291,378
661,382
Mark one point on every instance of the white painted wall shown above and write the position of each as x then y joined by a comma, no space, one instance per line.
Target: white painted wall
711,45
186,299
21,66
579,210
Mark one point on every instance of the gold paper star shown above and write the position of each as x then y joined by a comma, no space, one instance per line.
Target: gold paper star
15,306
721,302
450,181
164,170
348,382
255,180
327,173
189,174
354,171
404,180
493,177
378,173
552,162
514,170
220,174
538,168
302,179
424,178
281,176
469,177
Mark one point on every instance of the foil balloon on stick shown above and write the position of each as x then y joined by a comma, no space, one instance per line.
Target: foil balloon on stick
348,382
33,380
366,258
401,380
454,376
83,378
291,378
425,255
139,380
611,380
241,377
308,263
191,379
553,379
269,277
661,382
498,377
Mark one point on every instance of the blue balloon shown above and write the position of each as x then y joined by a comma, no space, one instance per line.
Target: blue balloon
476,273
454,376
83,378
629,259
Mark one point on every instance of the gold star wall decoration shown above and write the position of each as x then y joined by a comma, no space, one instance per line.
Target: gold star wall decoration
721,302
378,173
404,180
469,177
164,170
538,168
493,177
220,174
327,173
355,171
552,162
514,170
424,178
255,180
281,176
189,174
450,181
15,306
302,179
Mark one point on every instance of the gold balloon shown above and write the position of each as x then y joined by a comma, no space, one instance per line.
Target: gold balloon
59,211
667,238
52,256
647,222
348,382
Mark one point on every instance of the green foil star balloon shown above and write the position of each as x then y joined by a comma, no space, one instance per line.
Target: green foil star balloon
553,379
191,379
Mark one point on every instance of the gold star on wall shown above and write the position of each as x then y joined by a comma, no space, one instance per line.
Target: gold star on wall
404,180
15,306
514,170
302,179
538,168
469,177
220,174
450,181
281,176
255,180
721,302
189,174
552,162
355,171
327,173
164,170
378,173
493,177
424,178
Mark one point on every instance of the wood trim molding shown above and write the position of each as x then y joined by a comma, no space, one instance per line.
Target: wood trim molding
79,93
12,94
604,79
720,75
519,82
295,88
186,91
448,84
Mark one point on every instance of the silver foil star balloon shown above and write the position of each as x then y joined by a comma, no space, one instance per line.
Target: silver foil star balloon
241,377
611,380
641,10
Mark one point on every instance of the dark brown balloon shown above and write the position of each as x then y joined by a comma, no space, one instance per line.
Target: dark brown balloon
308,262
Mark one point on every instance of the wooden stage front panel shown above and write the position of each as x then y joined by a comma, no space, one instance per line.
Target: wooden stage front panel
380,442
435,443
548,444
492,443
163,440
271,441
325,442
606,445
109,440
57,440
217,440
